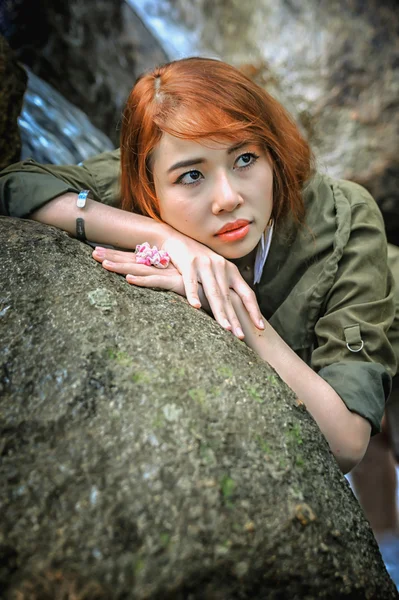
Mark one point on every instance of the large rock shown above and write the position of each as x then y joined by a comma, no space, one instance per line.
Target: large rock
146,453
91,51
334,65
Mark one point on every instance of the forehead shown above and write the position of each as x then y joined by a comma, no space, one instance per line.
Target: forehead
171,148
170,143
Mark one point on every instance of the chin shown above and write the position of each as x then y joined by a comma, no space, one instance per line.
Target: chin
232,255
235,250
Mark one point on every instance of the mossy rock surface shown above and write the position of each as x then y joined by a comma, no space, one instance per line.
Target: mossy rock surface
148,454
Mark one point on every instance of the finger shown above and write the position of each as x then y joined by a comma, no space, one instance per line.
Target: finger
249,300
102,254
125,268
190,282
152,281
227,303
218,298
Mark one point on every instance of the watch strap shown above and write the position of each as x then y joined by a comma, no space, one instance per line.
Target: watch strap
80,229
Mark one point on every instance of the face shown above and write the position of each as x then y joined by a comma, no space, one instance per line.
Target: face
220,194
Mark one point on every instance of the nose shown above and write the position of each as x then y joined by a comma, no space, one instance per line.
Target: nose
225,196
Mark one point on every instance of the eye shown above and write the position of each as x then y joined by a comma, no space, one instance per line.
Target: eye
246,160
189,178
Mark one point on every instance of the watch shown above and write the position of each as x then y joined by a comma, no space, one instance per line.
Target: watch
80,223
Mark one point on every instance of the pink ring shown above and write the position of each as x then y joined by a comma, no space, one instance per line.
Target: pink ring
145,255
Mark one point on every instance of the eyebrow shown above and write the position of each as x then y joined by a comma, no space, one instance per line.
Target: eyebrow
198,161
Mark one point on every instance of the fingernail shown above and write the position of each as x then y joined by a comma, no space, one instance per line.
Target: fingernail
100,252
196,304
261,324
239,332
108,263
226,324
99,248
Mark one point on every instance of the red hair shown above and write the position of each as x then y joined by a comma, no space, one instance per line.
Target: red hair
197,98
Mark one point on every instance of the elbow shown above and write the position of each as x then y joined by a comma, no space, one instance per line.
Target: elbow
349,460
354,445
350,456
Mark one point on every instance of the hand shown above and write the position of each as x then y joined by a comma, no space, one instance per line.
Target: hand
124,263
196,265
218,277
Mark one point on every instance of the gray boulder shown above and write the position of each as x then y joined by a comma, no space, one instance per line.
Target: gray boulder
148,454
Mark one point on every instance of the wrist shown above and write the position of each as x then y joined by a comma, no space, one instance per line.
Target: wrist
162,232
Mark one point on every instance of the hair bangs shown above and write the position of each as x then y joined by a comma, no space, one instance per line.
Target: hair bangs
198,122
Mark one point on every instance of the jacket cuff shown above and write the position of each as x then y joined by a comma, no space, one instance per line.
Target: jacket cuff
22,196
363,386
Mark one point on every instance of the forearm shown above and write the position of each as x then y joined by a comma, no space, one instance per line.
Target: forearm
346,432
103,224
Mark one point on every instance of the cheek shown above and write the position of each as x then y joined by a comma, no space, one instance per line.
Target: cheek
176,211
267,186
166,201
174,204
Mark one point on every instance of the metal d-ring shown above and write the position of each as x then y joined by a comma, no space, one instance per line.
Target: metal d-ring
358,349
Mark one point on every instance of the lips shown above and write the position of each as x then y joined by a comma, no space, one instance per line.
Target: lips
233,232
239,224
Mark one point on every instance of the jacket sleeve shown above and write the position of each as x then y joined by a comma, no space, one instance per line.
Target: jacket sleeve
353,352
26,186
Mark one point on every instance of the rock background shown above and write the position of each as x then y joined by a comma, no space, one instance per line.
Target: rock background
12,87
334,65
91,51
157,458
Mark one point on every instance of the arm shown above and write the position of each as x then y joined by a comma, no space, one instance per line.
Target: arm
347,433
104,224
352,359
48,194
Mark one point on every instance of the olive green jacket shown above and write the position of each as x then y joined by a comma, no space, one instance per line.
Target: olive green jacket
326,287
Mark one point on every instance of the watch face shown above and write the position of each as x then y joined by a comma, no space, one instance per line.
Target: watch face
82,197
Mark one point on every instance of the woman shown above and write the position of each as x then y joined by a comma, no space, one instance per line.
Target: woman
214,171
